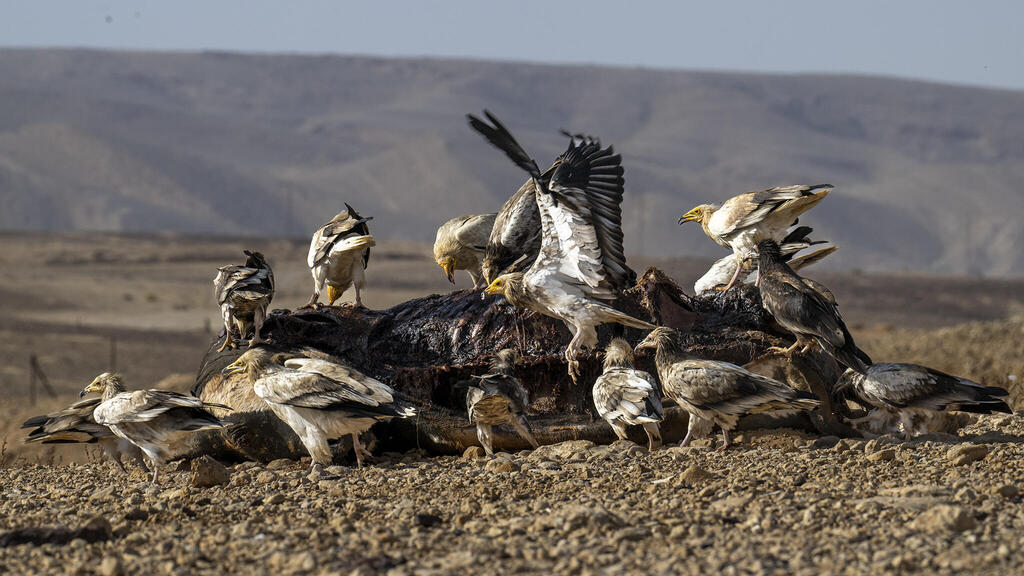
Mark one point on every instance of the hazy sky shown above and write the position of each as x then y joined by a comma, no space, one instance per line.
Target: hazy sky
979,42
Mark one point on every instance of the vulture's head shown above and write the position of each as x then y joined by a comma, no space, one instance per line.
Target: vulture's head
618,354
447,264
659,337
104,382
700,214
509,285
252,362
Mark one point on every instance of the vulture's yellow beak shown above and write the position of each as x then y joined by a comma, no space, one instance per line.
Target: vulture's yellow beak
448,265
236,367
691,216
93,386
496,287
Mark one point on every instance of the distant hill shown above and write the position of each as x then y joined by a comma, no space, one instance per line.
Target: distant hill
926,175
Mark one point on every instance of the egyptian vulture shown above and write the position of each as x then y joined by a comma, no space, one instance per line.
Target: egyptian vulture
148,418
75,424
498,398
460,245
719,392
805,308
625,396
722,271
338,255
243,293
318,399
744,220
905,390
581,264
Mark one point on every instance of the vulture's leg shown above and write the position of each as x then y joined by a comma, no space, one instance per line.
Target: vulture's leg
735,275
908,425
318,286
572,351
653,435
620,430
360,451
786,351
691,425
483,433
156,469
257,320
523,427
725,440
226,315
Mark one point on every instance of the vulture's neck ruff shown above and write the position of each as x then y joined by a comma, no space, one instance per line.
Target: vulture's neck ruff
618,354
113,384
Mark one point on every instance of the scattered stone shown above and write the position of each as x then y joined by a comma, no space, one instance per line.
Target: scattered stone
208,472
426,520
274,499
967,453
568,450
281,464
136,514
97,529
504,466
473,452
945,517
1007,491
824,442
102,494
110,566
695,476
883,455
265,477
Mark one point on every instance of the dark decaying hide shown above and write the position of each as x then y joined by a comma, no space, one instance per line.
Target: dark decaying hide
423,347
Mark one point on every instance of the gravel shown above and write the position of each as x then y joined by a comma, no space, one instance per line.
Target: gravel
779,503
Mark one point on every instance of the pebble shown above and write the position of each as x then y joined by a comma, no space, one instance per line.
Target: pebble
967,453
208,472
280,464
883,455
945,517
473,452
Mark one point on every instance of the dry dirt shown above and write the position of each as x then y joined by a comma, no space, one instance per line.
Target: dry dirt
780,503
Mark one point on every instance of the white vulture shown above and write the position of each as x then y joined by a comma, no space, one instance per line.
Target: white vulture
719,392
581,265
75,424
723,270
319,400
148,418
338,255
625,396
244,293
460,244
805,308
907,390
497,398
744,220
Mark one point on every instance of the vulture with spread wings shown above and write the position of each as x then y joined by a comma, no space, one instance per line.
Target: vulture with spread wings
338,255
318,399
581,264
805,308
515,237
905,390
460,245
744,220
244,293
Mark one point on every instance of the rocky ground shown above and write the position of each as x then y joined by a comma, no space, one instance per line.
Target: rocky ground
780,503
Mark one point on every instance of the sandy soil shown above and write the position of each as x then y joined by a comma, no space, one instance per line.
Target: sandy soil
780,503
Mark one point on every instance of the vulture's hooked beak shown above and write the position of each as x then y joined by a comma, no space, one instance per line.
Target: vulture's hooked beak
494,288
236,367
448,265
92,387
691,216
